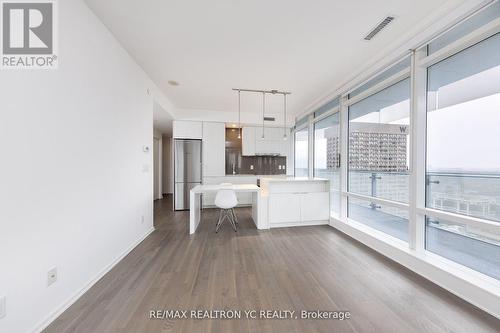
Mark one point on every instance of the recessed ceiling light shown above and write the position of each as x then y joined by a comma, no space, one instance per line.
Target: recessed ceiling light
234,125
173,83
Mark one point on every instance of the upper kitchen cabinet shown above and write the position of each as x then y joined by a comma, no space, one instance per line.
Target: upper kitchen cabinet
272,143
183,129
248,141
214,149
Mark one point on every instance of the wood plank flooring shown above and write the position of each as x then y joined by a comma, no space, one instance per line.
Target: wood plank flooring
302,268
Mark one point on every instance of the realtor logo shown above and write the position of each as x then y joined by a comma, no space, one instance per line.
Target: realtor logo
28,34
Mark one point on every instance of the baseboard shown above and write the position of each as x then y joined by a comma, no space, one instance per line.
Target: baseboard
53,316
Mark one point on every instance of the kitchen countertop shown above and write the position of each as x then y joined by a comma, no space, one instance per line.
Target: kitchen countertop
257,176
295,179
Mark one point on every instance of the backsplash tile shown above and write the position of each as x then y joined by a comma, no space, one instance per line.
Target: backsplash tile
238,164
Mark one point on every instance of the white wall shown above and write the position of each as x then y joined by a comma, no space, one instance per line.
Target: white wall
73,184
168,165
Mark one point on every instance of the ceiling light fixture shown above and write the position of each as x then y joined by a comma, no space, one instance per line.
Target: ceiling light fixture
263,92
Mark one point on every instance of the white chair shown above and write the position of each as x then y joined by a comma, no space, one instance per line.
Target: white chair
226,200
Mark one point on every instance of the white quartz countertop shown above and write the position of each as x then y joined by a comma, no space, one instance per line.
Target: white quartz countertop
257,176
295,179
214,188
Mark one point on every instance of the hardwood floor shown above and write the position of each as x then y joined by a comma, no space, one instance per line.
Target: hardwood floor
302,268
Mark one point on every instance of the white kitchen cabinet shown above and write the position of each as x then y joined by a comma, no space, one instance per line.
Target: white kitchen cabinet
296,202
214,149
183,129
315,206
285,146
270,133
284,208
272,142
248,141
267,147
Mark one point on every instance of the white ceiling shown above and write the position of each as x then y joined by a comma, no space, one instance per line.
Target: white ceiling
209,47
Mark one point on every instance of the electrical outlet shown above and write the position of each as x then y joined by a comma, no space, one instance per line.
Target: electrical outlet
251,166
279,167
3,307
52,276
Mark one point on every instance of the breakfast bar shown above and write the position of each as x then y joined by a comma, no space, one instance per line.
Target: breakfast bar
195,202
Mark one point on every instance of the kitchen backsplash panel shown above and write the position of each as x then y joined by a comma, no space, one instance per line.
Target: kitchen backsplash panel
238,164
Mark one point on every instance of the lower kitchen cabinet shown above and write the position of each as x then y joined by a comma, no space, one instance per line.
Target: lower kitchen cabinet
284,208
289,209
313,206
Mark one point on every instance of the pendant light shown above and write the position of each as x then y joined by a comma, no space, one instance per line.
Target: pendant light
284,116
263,112
239,114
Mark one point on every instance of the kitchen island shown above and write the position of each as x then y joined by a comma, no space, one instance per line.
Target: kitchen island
279,202
295,201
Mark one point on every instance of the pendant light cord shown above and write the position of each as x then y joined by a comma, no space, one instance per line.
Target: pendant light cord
263,112
284,116
239,114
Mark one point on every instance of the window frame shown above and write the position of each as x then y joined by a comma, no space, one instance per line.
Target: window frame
298,129
475,37
388,82
417,211
333,111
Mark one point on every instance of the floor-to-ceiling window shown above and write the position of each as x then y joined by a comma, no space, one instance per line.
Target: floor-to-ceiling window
379,159
327,156
463,156
424,170
302,152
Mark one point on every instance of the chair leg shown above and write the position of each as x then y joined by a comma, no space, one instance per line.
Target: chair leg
221,219
220,216
234,214
231,219
226,214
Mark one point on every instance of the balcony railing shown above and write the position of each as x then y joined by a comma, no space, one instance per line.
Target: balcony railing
471,194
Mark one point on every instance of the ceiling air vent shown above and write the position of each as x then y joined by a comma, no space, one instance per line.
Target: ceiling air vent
269,118
379,27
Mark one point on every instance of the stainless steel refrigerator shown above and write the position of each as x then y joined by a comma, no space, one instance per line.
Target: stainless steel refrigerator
187,155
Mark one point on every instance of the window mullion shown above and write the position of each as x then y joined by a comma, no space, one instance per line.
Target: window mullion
418,114
344,156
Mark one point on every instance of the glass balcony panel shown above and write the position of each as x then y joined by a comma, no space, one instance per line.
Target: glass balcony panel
390,220
474,247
